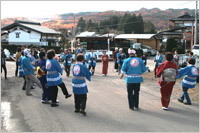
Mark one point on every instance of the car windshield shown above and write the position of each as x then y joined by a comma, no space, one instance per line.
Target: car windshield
196,47
145,46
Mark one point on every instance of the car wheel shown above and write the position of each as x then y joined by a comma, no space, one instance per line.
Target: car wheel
148,54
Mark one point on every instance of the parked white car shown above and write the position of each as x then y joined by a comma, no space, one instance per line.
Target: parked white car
195,49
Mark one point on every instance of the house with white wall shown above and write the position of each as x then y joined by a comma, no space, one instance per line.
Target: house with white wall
29,33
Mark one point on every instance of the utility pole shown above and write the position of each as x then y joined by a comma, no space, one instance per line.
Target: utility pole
195,32
73,38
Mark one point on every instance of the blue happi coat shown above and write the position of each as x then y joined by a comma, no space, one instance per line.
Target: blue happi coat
80,50
86,60
53,72
122,57
191,73
158,59
21,71
26,66
134,68
92,59
80,72
68,60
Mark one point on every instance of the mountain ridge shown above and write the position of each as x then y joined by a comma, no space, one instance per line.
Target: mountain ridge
160,18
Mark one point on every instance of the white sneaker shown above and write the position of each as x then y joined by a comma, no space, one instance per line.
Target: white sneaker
164,108
57,101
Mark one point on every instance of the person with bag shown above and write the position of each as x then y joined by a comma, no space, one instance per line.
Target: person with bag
167,72
189,81
54,79
67,61
133,67
41,74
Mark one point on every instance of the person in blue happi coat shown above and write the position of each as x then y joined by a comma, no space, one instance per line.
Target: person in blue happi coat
189,81
92,57
133,67
21,71
80,90
158,60
54,79
67,61
29,71
80,49
120,59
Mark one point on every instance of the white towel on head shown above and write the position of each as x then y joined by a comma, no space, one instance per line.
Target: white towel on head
27,53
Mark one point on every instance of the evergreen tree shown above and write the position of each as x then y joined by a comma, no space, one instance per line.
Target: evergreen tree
81,25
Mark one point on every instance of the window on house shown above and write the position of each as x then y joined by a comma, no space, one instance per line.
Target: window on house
17,34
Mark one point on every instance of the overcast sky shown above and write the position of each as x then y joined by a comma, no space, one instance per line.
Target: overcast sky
49,8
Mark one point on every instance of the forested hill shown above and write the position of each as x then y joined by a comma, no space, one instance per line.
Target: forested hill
159,18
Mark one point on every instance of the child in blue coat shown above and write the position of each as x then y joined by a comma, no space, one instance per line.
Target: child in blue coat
189,81
80,90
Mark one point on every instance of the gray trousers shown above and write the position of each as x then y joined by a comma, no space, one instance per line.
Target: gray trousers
30,78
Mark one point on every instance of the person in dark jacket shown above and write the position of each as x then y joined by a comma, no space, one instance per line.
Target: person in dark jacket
115,58
3,63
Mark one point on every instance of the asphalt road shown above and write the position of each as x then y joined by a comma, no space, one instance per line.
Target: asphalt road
107,108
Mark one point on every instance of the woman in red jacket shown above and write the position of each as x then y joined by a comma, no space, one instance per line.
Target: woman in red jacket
167,72
105,59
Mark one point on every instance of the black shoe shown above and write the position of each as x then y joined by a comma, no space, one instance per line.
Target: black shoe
83,112
23,89
77,111
69,95
32,87
180,100
6,78
136,108
131,108
54,105
187,103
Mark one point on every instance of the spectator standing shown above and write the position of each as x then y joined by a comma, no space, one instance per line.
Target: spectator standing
18,55
105,60
115,58
3,63
92,57
158,60
120,59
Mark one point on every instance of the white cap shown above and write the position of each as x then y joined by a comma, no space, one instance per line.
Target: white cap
132,52
120,49
116,48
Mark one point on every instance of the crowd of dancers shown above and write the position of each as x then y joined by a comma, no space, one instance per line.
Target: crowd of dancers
45,71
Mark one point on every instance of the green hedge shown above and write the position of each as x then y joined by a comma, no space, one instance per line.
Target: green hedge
12,48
